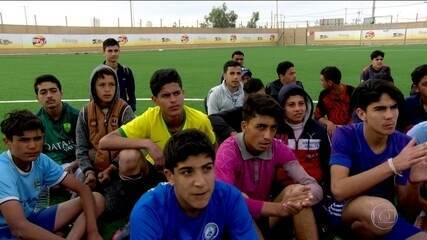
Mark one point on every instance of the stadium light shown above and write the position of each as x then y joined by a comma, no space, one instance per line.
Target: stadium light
131,13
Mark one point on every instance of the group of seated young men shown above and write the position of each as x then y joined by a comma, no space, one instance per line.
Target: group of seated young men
265,164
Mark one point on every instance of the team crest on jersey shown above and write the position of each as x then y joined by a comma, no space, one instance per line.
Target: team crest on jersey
67,127
211,231
37,184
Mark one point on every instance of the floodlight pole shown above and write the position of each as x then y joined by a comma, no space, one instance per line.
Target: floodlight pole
345,16
277,14
131,14
1,18
373,12
25,13
35,20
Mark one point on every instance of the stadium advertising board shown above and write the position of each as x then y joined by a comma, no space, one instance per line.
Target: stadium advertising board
95,40
416,34
337,36
368,35
384,34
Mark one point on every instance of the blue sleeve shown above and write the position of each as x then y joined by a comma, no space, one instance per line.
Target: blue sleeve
239,222
419,132
53,173
8,188
145,223
341,148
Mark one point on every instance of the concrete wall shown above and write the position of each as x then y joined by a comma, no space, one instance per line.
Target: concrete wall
285,37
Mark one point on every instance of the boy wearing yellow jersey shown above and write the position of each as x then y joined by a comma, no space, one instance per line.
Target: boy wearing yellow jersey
151,130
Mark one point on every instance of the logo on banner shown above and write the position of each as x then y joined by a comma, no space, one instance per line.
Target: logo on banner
397,35
272,37
123,39
185,38
5,41
96,41
39,41
369,34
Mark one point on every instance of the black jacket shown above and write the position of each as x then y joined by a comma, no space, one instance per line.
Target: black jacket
126,85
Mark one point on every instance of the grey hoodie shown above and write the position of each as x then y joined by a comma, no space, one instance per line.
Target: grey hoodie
82,131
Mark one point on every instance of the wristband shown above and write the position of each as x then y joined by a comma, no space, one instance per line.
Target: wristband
391,165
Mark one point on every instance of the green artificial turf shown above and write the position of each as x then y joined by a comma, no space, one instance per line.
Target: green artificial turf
200,70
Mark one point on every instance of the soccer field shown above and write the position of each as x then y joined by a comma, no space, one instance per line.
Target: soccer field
200,69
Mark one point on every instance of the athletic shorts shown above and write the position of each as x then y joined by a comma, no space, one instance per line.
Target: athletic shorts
44,218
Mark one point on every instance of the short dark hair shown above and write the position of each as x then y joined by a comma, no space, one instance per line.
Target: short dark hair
162,77
253,85
418,73
230,63
189,142
386,77
331,73
46,78
371,91
109,42
17,122
377,53
261,104
283,67
237,52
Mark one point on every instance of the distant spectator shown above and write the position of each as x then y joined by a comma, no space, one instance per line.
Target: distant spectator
239,56
333,107
228,122
287,75
111,49
246,75
229,93
377,69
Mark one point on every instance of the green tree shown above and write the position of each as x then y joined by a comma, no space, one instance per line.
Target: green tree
253,20
220,18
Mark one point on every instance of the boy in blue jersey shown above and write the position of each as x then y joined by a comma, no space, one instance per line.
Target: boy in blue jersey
24,172
370,164
192,205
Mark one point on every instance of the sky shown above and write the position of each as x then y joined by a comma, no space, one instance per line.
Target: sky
191,13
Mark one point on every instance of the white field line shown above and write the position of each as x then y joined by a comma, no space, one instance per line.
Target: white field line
334,48
361,49
86,100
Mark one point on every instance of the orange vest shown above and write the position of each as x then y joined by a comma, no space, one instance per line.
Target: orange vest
101,124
